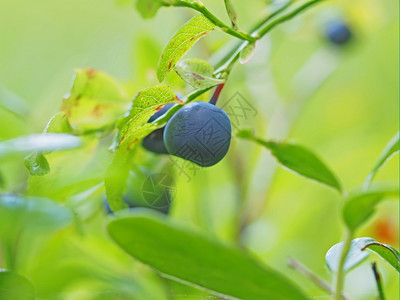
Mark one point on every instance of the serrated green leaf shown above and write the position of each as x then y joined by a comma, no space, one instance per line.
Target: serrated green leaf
391,148
96,101
231,13
299,160
247,53
195,259
37,164
133,128
15,287
39,142
197,72
386,252
144,105
355,256
181,42
360,205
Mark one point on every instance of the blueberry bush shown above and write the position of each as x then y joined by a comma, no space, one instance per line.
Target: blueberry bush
190,177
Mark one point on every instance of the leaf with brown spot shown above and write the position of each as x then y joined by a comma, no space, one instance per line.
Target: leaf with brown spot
96,101
181,42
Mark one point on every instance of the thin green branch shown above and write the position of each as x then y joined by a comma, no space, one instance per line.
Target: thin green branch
306,272
261,31
226,63
340,275
255,27
378,281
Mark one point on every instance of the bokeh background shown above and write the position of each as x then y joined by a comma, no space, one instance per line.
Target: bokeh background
342,102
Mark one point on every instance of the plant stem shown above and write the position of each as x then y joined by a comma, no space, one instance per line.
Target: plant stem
302,269
267,27
261,31
227,62
341,273
378,281
216,94
255,27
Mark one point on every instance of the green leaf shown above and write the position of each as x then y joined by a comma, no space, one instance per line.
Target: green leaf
360,205
355,256
197,72
196,259
298,159
391,148
2,181
247,53
386,252
148,8
32,214
38,142
133,128
231,13
96,101
115,180
145,104
37,164
15,287
181,42
58,124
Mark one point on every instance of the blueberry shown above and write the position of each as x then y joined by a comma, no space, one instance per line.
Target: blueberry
338,32
199,132
154,141
140,195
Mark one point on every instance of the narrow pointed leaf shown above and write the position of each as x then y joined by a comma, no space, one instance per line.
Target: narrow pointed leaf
231,13
197,72
195,259
298,159
15,287
31,214
39,142
360,205
391,148
386,252
181,42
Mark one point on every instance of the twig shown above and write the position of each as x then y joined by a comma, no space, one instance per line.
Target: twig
341,272
378,280
302,269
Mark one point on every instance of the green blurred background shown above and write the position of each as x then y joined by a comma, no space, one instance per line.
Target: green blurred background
347,119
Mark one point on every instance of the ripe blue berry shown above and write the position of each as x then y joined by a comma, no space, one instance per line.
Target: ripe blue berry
199,132
154,141
338,32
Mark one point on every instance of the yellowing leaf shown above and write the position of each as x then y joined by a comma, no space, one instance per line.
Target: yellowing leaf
96,101
181,42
